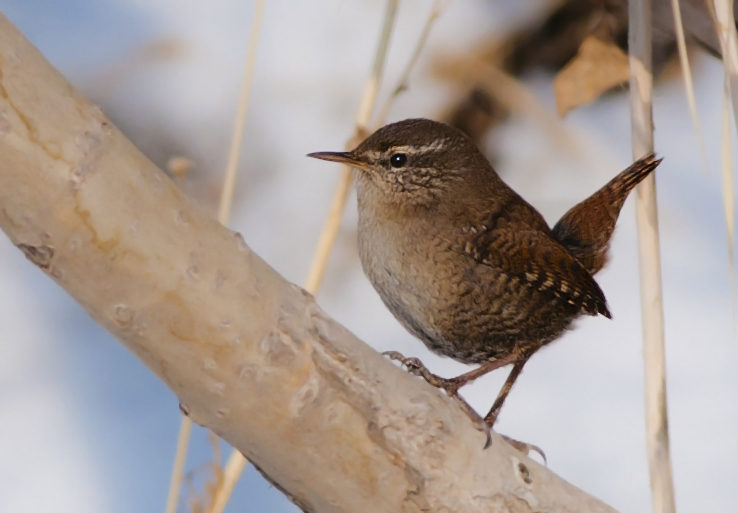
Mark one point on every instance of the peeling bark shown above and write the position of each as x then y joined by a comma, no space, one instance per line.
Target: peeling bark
249,355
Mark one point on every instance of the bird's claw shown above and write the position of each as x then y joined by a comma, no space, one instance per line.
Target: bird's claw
413,365
525,448
416,367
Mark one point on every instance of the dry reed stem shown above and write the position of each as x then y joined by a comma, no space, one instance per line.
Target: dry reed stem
728,198
226,196
236,461
368,100
725,27
688,82
175,484
657,427
224,211
402,84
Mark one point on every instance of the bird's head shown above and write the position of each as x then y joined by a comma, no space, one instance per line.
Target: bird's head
412,162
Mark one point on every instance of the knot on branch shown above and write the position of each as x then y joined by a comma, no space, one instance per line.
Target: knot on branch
41,256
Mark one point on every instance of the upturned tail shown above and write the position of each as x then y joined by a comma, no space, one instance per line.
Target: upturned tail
586,229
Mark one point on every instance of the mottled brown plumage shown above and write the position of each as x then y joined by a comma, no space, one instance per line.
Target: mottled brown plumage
465,263
585,230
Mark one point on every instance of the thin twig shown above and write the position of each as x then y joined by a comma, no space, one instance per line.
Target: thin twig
369,98
226,195
725,27
224,211
236,461
728,197
657,426
179,461
402,83
688,82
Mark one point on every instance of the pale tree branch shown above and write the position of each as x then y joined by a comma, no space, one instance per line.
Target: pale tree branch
249,355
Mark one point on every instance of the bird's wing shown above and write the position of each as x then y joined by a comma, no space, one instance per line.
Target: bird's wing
541,263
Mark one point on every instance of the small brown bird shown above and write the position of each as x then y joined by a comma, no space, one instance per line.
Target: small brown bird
465,263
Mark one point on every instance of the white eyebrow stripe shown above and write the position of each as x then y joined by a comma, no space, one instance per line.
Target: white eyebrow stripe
374,155
416,150
436,145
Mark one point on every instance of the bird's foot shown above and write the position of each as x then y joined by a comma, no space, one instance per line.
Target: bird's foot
415,366
525,448
451,386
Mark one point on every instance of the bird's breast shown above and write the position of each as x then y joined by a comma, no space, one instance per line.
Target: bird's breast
406,265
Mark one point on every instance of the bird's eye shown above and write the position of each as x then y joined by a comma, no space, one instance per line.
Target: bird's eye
398,160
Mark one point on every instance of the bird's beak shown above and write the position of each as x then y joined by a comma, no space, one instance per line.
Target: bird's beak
347,158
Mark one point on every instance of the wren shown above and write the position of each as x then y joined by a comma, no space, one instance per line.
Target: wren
466,264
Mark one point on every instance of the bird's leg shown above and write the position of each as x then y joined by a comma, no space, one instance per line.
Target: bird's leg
483,369
514,373
452,385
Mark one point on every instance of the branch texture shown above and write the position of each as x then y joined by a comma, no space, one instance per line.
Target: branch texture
249,355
